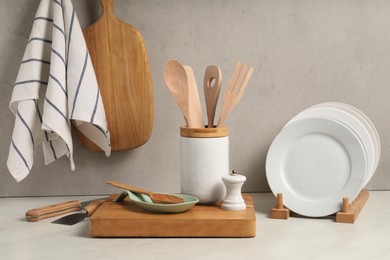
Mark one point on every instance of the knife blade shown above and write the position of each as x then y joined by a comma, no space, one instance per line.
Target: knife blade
48,211
88,210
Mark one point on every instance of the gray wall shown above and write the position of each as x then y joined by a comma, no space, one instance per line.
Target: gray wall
304,52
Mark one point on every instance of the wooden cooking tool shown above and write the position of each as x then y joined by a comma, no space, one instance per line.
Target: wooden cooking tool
181,83
176,81
121,63
212,87
72,219
155,197
235,89
194,106
33,215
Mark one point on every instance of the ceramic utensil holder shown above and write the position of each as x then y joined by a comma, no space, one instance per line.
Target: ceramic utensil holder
204,160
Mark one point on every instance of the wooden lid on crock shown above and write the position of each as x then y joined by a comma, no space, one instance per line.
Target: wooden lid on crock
203,132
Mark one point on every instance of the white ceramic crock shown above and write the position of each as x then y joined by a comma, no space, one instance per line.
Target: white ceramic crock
204,161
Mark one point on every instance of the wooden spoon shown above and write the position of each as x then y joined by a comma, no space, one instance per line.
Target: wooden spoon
176,80
212,87
159,198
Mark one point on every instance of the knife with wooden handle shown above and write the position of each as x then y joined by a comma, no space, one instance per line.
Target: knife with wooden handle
88,210
34,215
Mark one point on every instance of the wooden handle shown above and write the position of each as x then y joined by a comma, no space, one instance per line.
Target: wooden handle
129,187
93,206
34,215
108,6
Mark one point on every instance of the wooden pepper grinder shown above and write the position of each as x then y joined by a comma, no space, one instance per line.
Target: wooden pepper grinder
233,199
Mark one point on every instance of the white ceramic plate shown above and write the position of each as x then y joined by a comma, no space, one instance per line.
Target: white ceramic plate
365,121
339,114
315,162
369,125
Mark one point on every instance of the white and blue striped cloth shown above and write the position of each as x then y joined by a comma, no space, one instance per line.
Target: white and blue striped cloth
56,83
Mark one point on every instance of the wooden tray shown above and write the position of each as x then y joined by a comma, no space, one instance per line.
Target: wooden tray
126,219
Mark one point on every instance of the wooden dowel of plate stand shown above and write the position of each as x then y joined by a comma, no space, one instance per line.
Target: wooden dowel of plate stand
350,212
345,208
279,201
279,212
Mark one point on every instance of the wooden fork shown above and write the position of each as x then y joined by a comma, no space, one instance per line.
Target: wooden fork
234,90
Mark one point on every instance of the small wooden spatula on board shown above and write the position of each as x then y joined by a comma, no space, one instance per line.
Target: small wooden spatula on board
160,198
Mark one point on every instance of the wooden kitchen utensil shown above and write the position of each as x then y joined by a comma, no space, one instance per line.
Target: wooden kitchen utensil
72,219
33,215
212,87
180,81
177,82
121,63
194,106
235,89
160,198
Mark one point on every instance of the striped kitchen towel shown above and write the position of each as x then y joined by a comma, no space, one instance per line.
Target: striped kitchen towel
56,85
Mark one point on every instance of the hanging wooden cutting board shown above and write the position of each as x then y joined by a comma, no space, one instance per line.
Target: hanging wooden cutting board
121,63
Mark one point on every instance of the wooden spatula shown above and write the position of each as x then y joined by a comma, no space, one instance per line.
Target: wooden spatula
121,63
194,106
212,87
160,198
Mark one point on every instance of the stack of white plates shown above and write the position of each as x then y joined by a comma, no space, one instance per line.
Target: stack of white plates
326,152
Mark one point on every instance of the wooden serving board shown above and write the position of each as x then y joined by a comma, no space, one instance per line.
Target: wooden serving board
120,60
126,219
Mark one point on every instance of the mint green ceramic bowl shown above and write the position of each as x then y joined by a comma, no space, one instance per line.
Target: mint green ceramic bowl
146,203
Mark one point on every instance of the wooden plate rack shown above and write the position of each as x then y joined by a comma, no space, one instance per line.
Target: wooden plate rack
348,214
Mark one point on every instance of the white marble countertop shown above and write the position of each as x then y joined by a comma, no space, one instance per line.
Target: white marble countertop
295,238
